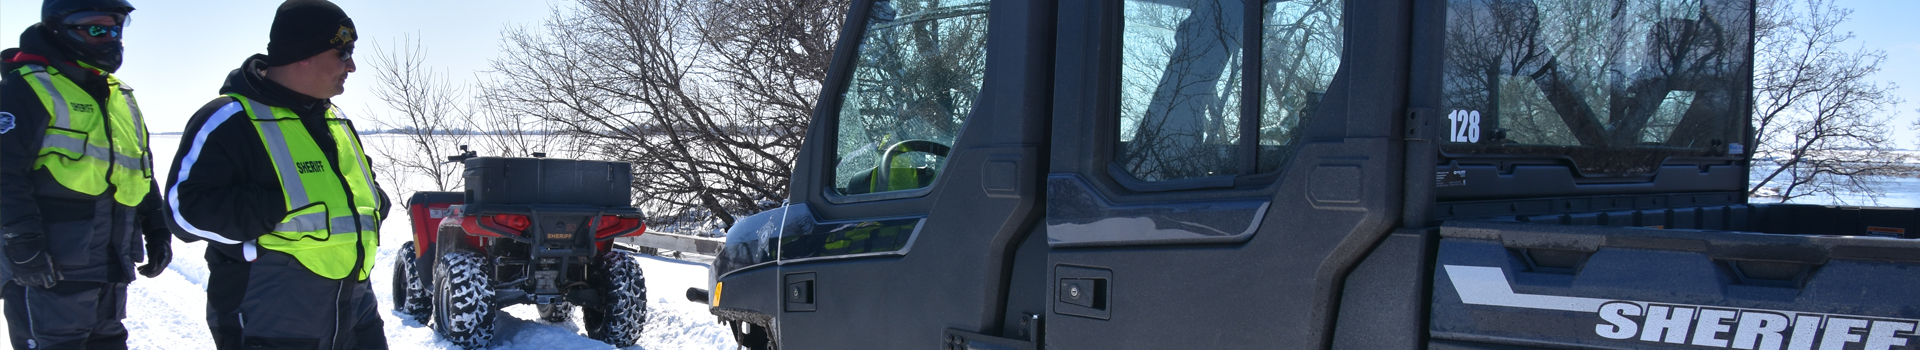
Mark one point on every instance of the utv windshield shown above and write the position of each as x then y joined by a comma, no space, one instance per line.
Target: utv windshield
1617,87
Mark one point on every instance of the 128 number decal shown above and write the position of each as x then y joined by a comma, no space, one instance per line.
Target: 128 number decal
1466,126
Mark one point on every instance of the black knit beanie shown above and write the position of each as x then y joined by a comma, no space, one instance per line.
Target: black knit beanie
303,28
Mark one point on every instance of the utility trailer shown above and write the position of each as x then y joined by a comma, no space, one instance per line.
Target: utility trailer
1301,174
525,231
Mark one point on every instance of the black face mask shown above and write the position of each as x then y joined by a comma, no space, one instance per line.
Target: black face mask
104,56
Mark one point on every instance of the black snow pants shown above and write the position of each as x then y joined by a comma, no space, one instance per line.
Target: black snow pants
71,315
274,302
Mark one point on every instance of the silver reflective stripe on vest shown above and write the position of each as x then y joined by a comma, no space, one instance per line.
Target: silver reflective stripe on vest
138,122
348,224
133,106
61,120
366,172
318,221
68,142
304,223
282,157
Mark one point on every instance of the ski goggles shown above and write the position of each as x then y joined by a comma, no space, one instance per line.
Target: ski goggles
97,31
120,20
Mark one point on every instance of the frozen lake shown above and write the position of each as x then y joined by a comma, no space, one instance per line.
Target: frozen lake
1903,192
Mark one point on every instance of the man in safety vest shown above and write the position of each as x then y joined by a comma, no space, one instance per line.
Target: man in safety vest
77,195
275,178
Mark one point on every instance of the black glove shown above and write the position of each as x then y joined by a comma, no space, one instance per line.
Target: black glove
159,254
32,265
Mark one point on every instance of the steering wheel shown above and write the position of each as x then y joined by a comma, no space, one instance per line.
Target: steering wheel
905,146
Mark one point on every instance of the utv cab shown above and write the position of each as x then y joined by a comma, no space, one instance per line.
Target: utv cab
1301,174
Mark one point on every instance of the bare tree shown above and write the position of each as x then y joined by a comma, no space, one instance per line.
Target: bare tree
428,114
1818,118
708,100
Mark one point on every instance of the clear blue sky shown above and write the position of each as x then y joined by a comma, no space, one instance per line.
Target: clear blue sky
1889,25
179,51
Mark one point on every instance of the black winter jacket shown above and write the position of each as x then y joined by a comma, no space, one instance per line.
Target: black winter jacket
83,248
223,187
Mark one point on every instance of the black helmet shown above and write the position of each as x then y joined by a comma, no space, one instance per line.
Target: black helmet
53,11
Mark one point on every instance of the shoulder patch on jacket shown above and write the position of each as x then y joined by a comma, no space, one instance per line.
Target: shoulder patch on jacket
6,122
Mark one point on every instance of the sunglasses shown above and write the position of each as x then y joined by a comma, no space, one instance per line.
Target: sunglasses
96,30
346,54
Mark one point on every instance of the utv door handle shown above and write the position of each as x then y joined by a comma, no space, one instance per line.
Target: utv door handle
798,292
1080,291
1083,291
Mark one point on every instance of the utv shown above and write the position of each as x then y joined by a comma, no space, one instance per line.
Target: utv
526,231
1301,174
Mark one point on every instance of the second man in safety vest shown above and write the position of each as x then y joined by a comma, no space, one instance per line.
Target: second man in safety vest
274,176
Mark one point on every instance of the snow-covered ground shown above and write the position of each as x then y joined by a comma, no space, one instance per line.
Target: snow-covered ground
169,312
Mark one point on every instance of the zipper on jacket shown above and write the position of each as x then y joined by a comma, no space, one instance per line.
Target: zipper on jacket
339,312
359,241
106,121
111,193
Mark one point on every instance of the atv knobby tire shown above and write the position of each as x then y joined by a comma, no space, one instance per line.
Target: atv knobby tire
463,300
409,290
623,291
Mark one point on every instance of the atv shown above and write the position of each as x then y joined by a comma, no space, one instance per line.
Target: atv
525,231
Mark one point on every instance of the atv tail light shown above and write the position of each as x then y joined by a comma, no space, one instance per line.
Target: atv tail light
471,224
610,226
495,225
513,221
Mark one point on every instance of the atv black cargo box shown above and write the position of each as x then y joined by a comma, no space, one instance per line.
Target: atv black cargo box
502,180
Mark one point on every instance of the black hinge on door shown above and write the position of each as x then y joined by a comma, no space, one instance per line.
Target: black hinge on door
1030,327
1423,124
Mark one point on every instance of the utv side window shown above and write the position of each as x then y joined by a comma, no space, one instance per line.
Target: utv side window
1617,86
917,76
1182,78
1301,45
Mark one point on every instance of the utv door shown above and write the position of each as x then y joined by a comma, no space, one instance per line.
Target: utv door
920,174
1220,167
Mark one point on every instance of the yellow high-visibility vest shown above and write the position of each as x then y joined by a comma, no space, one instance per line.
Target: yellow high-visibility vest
333,212
89,147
